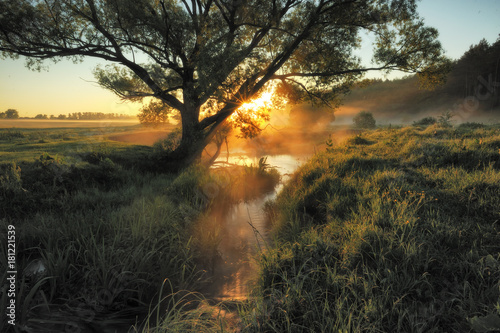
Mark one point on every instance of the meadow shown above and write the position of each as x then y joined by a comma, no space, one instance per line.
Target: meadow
106,238
394,229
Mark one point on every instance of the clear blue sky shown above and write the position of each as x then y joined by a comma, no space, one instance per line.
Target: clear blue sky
63,88
462,23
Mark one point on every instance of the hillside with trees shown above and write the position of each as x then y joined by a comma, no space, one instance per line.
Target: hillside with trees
471,90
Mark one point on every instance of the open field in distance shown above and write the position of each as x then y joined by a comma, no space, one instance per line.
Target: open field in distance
36,123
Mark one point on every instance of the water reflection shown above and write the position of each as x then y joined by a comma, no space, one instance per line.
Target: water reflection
245,230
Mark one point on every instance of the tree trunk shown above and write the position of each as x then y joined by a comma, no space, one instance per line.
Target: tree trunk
195,137
191,145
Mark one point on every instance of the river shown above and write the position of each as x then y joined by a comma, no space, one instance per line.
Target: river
244,232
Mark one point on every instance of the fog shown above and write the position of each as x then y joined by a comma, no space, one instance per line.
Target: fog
241,228
299,132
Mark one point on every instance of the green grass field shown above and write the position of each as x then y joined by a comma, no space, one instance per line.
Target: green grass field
107,228
105,237
395,229
26,144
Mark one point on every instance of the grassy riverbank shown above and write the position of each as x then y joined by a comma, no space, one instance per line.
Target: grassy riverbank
96,242
393,230
103,240
397,230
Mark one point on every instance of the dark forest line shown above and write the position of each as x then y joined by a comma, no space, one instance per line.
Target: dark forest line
471,88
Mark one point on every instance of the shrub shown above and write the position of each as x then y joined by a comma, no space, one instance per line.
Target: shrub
444,119
471,125
364,120
168,144
425,121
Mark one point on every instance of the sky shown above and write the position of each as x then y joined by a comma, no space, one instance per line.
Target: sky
67,87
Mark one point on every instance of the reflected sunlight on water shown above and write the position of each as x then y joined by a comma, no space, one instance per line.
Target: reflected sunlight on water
245,232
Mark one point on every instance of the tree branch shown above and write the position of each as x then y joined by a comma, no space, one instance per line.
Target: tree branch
327,74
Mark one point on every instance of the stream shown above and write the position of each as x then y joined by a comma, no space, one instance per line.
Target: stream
245,230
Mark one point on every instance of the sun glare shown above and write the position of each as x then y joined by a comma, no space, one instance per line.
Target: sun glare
265,100
257,109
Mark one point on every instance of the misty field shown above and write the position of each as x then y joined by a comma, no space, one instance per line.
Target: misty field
51,124
393,229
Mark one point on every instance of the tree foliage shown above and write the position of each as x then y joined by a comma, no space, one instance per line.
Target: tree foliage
205,58
364,120
9,114
154,114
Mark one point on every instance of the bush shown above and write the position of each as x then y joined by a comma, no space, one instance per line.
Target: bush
364,120
471,125
445,119
425,121
170,143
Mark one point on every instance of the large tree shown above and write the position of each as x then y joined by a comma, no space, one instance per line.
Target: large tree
204,58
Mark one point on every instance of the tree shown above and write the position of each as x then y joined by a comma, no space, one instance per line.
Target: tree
11,114
155,113
364,120
205,58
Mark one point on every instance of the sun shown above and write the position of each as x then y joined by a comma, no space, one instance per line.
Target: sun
263,101
256,110
253,116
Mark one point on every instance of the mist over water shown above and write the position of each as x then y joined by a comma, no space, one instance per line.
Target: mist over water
245,227
245,232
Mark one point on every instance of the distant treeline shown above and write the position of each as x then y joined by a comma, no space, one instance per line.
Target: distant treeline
473,84
87,116
9,114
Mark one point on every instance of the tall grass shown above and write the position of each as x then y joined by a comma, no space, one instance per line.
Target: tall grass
395,230
185,311
399,235
106,254
97,235
103,236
